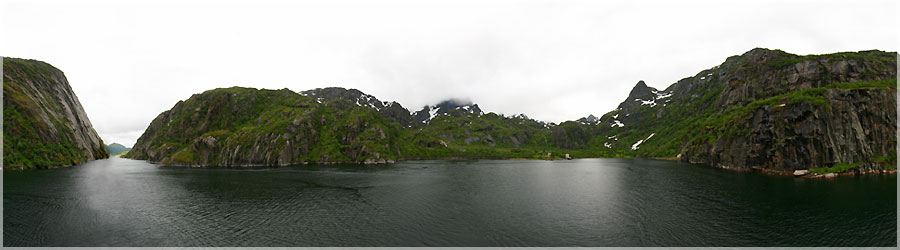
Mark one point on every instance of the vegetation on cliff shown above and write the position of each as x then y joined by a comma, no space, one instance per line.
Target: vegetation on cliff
44,125
767,109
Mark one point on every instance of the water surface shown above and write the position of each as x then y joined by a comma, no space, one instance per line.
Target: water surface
588,202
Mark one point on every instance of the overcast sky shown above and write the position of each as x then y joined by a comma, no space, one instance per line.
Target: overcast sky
553,60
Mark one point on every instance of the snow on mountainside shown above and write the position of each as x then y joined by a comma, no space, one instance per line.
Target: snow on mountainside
445,108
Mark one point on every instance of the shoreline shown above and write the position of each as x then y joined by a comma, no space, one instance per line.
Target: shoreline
807,176
386,161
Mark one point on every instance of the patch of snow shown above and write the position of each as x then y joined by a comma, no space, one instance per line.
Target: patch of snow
616,116
617,123
663,95
652,103
432,113
614,137
637,144
702,77
607,145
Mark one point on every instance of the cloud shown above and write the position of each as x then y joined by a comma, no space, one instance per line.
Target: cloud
552,60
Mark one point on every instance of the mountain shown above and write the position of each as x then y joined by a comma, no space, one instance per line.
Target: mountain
116,149
767,110
259,127
465,132
391,110
445,108
251,127
44,124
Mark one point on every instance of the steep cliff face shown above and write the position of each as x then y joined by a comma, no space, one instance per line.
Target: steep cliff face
44,124
854,126
770,110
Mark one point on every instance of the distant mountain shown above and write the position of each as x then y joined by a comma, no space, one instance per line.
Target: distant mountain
764,109
44,124
590,119
446,107
116,149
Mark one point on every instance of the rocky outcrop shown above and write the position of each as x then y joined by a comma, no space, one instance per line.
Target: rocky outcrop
855,126
44,124
762,73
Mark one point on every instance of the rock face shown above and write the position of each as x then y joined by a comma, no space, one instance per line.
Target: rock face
768,110
44,124
855,126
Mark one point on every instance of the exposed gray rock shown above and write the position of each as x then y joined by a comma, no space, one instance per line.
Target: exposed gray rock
59,132
857,125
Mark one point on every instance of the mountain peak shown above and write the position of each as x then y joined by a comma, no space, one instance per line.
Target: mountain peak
446,107
641,91
640,83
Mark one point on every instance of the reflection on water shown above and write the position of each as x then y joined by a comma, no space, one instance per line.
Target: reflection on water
590,202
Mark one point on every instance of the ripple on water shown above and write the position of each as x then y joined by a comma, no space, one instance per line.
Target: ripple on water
593,202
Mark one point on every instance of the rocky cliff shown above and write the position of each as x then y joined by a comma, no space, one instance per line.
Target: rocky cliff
44,124
768,110
853,126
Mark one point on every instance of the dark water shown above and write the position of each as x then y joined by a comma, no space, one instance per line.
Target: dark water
591,202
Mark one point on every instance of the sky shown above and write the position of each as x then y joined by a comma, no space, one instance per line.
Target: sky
554,61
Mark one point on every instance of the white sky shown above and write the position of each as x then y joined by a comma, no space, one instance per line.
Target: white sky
553,60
